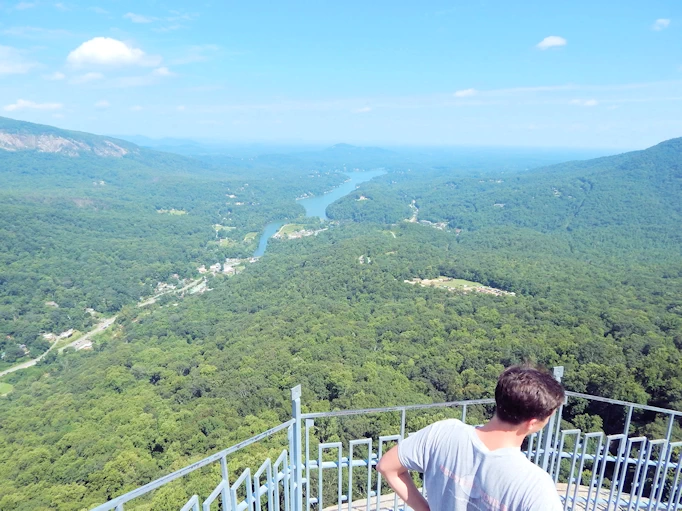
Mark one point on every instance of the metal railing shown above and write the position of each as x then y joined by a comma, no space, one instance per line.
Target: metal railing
593,471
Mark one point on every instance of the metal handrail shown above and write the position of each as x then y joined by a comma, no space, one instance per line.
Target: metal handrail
294,469
119,501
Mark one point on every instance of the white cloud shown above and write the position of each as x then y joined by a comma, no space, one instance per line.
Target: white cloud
181,108
60,6
102,103
138,18
163,71
110,52
56,76
98,10
539,88
12,62
176,21
24,5
660,24
87,77
150,78
135,108
168,28
584,102
363,110
23,104
552,41
466,93
58,116
182,16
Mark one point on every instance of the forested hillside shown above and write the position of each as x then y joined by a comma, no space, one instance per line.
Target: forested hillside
591,251
633,197
82,229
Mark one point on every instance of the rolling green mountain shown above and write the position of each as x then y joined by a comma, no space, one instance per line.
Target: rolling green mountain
634,194
90,222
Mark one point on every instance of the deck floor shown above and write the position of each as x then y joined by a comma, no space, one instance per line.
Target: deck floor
388,500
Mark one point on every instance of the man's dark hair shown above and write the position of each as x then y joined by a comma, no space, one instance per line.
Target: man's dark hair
525,392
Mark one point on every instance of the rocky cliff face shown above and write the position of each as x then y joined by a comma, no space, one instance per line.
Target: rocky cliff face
48,143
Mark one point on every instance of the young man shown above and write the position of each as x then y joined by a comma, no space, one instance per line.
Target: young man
482,469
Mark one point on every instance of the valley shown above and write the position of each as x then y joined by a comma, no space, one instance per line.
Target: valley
371,310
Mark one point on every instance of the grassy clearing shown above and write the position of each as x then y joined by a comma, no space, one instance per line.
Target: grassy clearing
290,229
250,236
457,283
446,282
226,228
5,388
226,242
63,342
172,211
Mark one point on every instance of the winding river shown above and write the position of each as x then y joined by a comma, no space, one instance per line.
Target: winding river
317,206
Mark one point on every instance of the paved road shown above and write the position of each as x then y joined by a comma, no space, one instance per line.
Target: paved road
101,326
151,300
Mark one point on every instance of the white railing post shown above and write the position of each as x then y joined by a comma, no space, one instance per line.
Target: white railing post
296,451
548,434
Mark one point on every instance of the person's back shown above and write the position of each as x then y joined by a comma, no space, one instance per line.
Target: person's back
482,469
462,474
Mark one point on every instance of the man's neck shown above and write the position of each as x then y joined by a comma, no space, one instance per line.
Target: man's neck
497,434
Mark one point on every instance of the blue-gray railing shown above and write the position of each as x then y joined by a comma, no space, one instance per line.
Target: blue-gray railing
593,471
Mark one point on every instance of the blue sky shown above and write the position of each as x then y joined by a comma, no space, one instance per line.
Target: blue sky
497,73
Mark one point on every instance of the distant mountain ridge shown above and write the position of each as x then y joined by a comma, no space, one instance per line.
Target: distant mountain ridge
631,199
352,150
637,190
26,136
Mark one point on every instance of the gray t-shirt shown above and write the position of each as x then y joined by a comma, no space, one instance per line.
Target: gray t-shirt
462,474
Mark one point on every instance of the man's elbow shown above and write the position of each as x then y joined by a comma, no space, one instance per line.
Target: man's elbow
382,466
389,463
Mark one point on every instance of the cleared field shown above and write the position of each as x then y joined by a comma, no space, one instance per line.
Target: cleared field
226,228
457,283
461,285
447,282
289,229
172,211
5,388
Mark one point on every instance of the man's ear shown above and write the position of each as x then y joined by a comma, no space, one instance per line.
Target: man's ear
529,426
533,425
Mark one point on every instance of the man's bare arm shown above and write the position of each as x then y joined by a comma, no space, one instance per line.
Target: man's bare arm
399,479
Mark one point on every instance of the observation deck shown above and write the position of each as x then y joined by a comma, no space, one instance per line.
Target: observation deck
315,469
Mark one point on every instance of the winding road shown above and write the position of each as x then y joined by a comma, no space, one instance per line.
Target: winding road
101,326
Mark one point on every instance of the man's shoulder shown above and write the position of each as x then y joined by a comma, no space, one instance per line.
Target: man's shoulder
436,439
540,490
517,460
448,425
532,475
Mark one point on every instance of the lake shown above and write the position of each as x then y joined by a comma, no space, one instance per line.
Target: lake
317,206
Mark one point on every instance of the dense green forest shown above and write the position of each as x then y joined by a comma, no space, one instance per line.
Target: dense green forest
591,250
89,232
